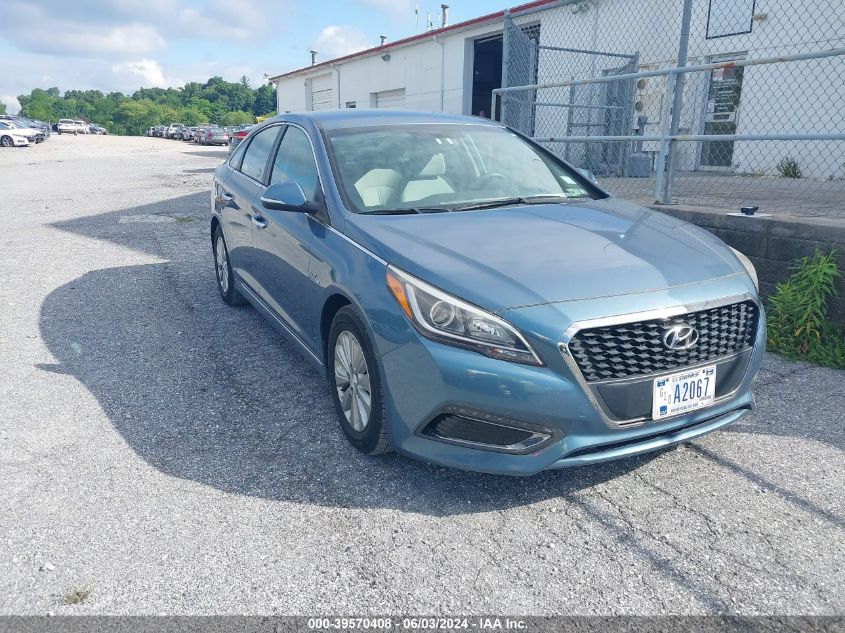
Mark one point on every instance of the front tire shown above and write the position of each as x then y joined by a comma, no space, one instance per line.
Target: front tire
6,141
223,270
356,383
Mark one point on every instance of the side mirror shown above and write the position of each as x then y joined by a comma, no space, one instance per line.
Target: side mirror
286,196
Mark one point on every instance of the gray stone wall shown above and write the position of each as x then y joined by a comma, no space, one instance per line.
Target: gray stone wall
774,243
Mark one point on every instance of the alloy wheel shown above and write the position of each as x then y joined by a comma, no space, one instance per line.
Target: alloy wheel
352,380
222,263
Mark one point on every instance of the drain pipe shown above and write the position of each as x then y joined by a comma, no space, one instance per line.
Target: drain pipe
336,69
442,43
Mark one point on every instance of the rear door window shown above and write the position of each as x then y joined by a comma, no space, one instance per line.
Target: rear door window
256,157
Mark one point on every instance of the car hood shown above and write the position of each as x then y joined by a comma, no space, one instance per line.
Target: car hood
528,255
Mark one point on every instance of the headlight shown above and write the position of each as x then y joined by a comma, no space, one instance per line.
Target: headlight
749,267
447,319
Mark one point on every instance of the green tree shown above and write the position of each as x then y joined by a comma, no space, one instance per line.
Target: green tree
2,108
215,101
265,100
237,118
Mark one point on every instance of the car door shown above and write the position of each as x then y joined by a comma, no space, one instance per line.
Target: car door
238,193
281,239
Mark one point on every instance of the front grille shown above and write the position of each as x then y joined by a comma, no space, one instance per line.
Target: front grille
636,349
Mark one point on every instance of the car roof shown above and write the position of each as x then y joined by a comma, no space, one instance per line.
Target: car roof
339,119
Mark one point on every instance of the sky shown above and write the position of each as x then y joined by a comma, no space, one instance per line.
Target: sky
123,45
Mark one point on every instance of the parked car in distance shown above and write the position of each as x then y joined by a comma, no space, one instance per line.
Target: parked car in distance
81,126
199,131
93,128
187,134
31,134
67,126
21,121
172,130
238,134
477,302
9,136
214,136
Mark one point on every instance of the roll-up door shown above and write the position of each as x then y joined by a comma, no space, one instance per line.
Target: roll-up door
391,99
322,93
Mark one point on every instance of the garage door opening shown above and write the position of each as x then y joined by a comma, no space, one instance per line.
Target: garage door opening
389,99
322,93
486,73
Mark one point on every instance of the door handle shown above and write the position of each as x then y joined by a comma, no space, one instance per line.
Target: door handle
226,195
258,221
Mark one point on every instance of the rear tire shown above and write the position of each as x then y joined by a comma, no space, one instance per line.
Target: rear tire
355,380
223,271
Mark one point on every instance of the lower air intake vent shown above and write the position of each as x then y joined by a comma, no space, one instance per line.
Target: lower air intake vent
488,434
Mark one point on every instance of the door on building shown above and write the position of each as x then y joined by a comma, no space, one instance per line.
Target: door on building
720,116
322,92
390,99
486,73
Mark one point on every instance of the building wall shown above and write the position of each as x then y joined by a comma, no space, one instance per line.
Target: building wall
419,68
794,97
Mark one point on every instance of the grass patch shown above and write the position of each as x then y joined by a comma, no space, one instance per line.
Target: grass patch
183,218
788,167
79,596
797,322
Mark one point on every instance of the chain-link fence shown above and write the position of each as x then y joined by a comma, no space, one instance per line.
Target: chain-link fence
724,103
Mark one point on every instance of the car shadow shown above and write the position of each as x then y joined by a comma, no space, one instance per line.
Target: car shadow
214,394
220,153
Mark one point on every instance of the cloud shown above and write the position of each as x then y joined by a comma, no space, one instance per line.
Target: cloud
126,40
337,41
12,105
241,20
125,28
121,45
148,71
32,27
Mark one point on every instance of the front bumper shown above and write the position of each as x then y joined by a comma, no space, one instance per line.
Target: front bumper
424,378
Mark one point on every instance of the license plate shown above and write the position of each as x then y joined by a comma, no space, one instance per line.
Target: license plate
683,392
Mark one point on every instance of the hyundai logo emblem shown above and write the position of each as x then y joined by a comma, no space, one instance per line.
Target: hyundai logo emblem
679,337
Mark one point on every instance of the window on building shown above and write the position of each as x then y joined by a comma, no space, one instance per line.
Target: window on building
729,17
351,104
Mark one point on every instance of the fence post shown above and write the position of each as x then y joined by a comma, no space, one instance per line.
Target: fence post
671,123
506,38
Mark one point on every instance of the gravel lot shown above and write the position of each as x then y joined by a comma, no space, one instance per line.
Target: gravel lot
174,455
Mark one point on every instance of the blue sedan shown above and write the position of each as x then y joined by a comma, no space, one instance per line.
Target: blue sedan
475,301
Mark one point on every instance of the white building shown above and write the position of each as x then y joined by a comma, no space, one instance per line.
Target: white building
455,68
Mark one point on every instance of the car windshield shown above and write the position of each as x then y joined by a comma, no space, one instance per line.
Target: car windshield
432,167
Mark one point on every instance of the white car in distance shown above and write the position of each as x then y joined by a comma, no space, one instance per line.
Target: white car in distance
67,126
10,136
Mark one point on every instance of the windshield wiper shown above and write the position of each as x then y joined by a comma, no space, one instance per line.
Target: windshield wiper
504,202
408,210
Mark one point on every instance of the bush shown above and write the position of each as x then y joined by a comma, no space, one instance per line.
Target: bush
797,318
789,168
